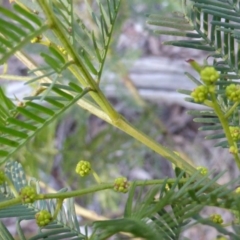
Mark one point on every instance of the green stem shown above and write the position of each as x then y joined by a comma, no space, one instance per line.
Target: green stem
15,77
208,103
58,207
230,111
10,202
225,126
99,187
96,177
156,147
98,96
60,196
103,186
76,193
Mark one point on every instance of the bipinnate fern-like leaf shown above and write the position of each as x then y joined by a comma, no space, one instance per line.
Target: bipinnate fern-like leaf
211,26
25,120
91,45
22,122
100,39
17,29
66,225
169,209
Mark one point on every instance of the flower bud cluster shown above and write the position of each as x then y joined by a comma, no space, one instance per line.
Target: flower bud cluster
28,194
83,168
62,50
235,133
43,218
202,170
200,93
233,150
233,92
37,39
121,185
167,187
216,218
237,190
209,75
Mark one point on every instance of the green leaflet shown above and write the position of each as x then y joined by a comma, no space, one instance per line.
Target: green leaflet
4,233
17,29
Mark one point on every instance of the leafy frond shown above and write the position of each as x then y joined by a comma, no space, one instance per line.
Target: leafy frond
65,226
25,120
92,54
166,210
17,29
210,26
203,29
90,43
68,57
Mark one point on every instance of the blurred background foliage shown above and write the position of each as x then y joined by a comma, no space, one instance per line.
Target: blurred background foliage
53,154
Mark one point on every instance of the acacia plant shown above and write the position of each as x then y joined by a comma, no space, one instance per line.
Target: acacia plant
74,54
